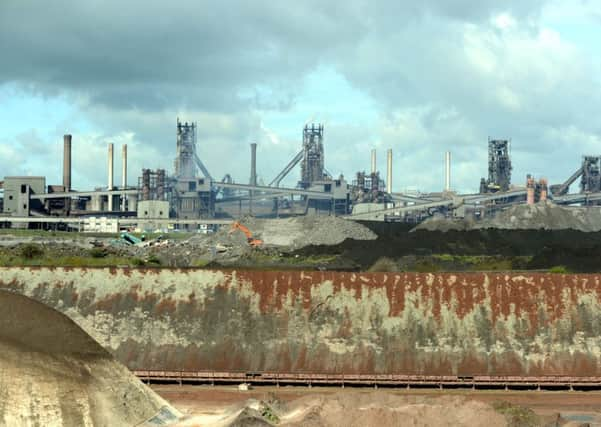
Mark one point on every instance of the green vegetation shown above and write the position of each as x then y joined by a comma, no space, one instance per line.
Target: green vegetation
517,416
384,265
481,262
199,263
269,414
264,258
31,251
75,235
98,252
31,255
153,260
559,269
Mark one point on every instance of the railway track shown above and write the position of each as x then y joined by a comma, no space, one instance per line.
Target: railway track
369,380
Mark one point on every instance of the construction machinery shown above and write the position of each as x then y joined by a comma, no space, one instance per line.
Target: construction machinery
249,238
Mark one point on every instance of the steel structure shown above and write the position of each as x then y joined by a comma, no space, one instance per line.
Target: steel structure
499,167
590,180
152,185
185,166
312,164
295,161
551,382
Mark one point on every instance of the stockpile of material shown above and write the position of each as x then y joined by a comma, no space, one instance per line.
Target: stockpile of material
385,409
356,409
544,215
298,232
54,374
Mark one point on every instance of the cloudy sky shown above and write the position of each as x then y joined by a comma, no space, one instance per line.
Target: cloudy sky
420,77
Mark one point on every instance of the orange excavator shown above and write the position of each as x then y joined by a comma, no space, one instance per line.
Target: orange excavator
249,238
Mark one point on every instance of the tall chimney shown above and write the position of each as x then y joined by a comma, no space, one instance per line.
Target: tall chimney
123,175
447,171
110,183
530,189
543,189
389,171
253,163
373,161
67,162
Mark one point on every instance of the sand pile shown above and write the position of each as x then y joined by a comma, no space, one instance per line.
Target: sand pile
54,374
546,215
385,409
354,408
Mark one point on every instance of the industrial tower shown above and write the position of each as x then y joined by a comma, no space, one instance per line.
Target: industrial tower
499,167
185,166
312,164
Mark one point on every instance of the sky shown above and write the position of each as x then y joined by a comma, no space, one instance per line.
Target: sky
419,78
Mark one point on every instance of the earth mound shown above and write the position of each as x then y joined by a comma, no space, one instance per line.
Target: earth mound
540,216
52,373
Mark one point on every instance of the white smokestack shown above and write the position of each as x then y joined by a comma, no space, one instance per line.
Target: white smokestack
389,172
447,175
124,174
373,161
110,183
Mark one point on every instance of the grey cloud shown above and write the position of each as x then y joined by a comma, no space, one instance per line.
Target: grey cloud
149,55
136,65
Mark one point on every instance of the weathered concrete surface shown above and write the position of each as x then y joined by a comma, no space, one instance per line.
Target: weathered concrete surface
454,324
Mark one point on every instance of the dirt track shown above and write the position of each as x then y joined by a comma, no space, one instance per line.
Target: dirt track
573,406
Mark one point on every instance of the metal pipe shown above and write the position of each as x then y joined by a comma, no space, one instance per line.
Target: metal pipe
110,183
389,171
253,163
447,174
373,161
124,176
67,162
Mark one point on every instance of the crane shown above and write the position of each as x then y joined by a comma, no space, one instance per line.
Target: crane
250,239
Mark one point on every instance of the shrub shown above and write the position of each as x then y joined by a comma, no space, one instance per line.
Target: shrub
153,259
384,265
98,252
137,262
31,251
559,269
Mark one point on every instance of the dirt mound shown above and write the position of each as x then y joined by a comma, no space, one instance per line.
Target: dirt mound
546,216
356,408
298,232
385,409
54,374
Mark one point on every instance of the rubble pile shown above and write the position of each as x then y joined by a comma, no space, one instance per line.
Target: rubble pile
301,231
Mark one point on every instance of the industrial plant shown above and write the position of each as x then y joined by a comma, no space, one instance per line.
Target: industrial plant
189,196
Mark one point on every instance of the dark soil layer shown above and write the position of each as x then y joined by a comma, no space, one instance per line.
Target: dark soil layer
573,251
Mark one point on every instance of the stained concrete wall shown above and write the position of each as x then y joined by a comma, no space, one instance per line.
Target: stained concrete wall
455,324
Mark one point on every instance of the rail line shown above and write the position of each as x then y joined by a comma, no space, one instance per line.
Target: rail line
369,380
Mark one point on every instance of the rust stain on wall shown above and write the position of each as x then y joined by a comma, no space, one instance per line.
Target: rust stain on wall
331,322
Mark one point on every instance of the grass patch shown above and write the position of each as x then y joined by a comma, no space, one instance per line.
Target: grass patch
384,265
559,269
31,251
517,416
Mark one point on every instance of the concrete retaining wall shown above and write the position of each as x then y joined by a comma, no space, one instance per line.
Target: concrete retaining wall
327,322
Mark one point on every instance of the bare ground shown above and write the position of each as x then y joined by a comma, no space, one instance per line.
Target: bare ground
299,406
